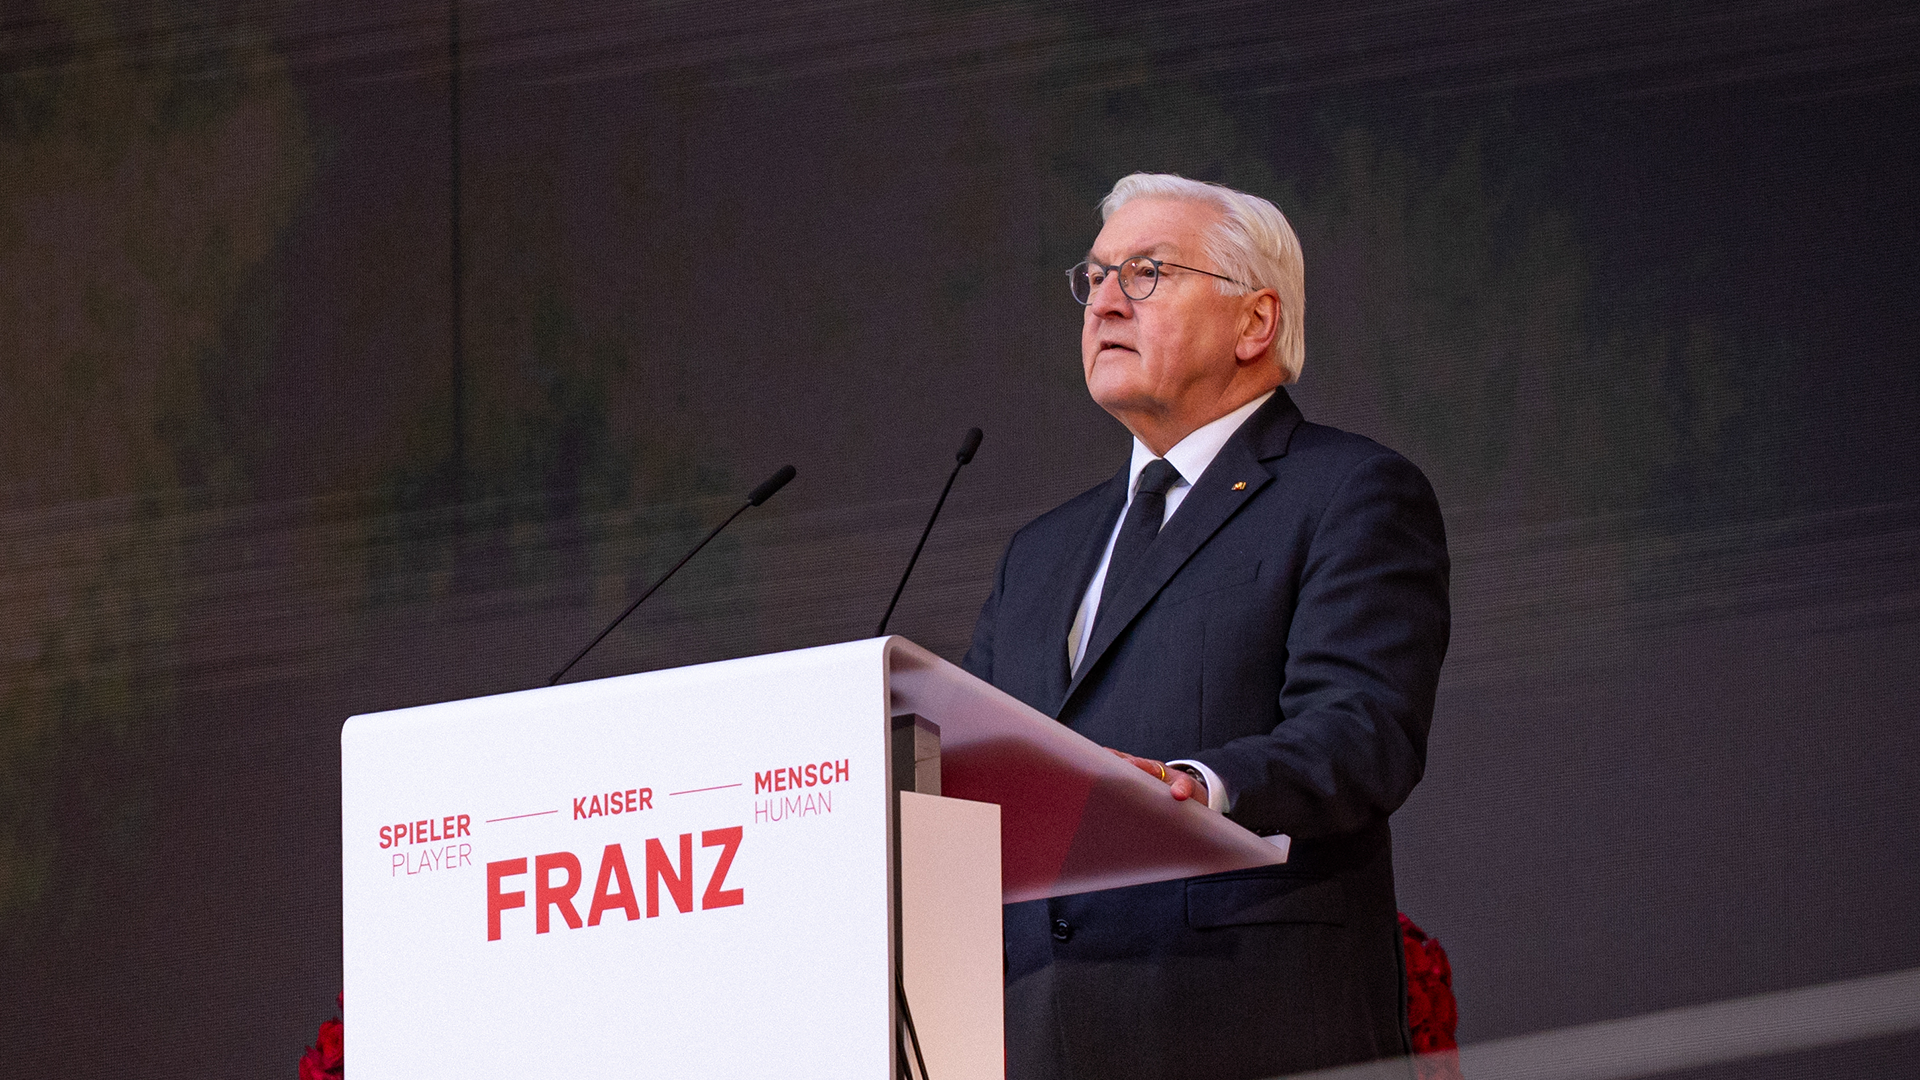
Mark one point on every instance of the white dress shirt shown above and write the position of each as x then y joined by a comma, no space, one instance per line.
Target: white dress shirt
1189,457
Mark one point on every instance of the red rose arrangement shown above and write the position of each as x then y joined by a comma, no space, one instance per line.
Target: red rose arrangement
326,1058
1431,1013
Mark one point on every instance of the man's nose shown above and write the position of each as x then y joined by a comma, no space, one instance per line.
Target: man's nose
1109,299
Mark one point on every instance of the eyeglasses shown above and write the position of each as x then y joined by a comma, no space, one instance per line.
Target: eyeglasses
1138,277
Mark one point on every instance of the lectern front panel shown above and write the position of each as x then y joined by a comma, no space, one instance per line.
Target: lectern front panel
681,873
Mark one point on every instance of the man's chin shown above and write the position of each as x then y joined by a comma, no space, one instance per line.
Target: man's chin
1122,398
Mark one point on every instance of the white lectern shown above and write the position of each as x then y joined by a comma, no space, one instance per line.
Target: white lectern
690,873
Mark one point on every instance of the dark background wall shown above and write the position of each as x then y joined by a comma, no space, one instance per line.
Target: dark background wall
1632,282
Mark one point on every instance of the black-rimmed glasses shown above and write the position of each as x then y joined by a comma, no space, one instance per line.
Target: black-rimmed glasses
1138,277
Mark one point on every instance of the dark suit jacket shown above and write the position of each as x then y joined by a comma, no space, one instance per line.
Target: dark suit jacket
1288,633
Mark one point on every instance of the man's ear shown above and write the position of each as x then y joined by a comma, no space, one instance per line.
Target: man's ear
1259,325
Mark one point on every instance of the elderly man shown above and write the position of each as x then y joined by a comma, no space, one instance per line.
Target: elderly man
1254,610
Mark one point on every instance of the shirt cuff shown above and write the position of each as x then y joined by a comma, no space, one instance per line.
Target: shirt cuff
1218,797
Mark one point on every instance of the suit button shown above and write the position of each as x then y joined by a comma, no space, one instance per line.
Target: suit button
1062,930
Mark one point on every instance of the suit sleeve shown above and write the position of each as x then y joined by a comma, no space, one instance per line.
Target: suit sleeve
1363,652
979,659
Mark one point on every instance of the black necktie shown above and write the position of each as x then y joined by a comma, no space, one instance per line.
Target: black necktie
1143,522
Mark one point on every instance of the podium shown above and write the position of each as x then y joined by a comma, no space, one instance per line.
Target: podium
707,872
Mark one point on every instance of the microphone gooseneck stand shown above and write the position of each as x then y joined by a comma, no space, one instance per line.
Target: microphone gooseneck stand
754,498
967,447
905,1035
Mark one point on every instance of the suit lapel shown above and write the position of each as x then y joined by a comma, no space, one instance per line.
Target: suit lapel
1235,477
1077,573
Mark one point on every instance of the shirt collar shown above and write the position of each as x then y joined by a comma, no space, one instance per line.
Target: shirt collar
1191,455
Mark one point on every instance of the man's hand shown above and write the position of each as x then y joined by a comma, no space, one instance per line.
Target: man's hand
1183,784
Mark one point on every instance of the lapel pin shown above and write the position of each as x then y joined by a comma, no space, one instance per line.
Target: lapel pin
1240,486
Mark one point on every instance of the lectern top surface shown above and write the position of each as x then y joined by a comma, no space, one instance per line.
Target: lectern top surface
1074,818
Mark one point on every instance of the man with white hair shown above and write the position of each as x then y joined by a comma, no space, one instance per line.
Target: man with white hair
1253,610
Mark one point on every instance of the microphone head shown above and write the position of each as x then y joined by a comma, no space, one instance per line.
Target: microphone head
969,445
770,485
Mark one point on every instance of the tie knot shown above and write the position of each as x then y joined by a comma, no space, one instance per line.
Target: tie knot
1157,478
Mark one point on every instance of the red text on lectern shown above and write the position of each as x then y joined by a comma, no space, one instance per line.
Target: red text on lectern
558,877
630,801
794,777
424,831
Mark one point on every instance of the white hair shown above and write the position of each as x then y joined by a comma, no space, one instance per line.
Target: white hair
1252,243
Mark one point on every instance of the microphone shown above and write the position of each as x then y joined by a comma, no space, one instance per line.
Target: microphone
754,498
967,447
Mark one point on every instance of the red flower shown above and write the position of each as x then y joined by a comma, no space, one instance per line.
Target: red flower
326,1059
1432,1016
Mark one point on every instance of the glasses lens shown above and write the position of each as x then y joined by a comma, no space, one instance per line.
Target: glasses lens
1084,278
1138,277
